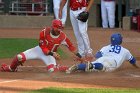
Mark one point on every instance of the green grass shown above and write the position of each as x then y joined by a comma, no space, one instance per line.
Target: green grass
83,90
9,47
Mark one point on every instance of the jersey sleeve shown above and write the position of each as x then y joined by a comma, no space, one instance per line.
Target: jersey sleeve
69,44
130,58
103,50
98,54
42,43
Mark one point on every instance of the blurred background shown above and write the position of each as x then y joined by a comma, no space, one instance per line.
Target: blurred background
127,14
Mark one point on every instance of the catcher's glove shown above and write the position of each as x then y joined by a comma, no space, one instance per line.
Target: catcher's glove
83,16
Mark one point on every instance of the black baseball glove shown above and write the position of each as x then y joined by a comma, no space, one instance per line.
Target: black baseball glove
83,16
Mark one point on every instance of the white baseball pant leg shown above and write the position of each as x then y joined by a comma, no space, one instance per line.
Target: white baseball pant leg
36,53
109,64
111,13
108,13
80,31
56,4
104,14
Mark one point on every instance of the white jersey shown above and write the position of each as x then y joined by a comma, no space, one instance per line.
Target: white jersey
113,56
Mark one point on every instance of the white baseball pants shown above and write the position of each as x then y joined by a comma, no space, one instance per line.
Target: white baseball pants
56,4
108,13
80,31
36,53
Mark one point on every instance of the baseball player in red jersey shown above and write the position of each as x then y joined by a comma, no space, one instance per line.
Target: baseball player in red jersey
79,27
49,41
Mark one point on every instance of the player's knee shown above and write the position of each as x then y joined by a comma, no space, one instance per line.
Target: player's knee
21,57
98,66
81,66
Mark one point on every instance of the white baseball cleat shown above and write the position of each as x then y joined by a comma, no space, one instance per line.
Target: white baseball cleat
71,69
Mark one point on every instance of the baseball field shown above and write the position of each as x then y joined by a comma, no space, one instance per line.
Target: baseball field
33,76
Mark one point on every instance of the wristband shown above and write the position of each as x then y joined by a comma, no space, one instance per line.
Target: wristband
77,54
50,53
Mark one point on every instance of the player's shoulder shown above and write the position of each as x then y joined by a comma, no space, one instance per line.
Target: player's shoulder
62,35
46,30
125,49
61,32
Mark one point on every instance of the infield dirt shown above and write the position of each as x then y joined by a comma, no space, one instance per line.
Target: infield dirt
34,76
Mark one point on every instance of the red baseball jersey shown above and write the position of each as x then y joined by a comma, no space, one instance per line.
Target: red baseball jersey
75,4
49,42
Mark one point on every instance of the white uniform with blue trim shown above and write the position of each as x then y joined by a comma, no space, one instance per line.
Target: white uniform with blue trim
113,57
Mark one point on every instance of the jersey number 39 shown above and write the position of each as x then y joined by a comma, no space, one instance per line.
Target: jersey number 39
115,49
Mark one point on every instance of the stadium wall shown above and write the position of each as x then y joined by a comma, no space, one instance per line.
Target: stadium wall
17,21
9,21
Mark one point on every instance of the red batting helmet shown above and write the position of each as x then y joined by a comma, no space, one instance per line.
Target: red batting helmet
57,23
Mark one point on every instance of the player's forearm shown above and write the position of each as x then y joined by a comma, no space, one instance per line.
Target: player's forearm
70,45
62,4
135,65
89,5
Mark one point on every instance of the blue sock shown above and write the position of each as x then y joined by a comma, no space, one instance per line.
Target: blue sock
81,66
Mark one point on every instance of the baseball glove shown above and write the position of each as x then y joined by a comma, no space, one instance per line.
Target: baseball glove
83,16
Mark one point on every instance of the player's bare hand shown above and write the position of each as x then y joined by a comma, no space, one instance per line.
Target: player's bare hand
136,66
56,55
81,60
89,57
